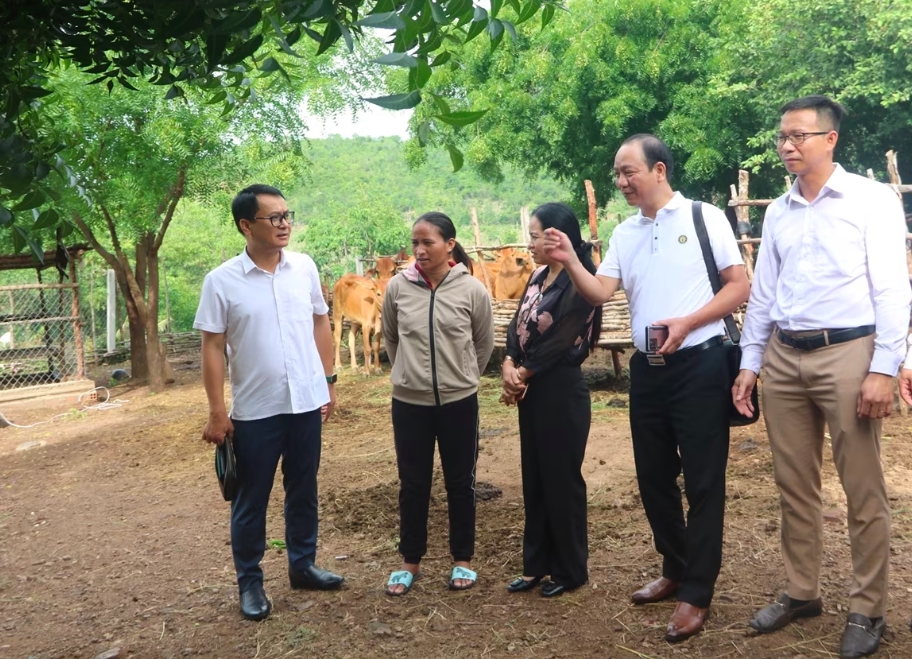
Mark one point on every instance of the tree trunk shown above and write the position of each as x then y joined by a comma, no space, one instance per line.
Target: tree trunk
139,287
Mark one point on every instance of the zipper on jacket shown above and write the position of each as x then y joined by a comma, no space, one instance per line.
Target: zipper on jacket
433,348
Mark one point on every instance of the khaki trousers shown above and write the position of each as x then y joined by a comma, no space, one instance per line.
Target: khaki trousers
802,391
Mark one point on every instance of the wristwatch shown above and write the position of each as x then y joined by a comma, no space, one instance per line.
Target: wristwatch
331,379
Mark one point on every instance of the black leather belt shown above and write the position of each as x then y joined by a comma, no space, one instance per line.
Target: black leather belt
660,360
825,337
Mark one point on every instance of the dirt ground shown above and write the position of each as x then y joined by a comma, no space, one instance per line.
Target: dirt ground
113,534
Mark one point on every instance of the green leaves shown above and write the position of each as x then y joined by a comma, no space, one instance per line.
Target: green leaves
397,101
460,119
456,157
398,59
388,21
32,200
46,220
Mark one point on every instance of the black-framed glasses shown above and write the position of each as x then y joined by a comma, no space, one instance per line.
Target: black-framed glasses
276,219
796,138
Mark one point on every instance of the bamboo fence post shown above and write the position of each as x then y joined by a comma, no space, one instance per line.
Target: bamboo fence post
895,182
524,220
92,313
481,264
742,212
597,258
77,322
593,222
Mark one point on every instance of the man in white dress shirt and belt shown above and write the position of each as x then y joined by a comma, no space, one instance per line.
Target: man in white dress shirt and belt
827,318
679,397
266,305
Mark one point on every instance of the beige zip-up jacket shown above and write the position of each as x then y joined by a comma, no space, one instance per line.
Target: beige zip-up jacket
439,341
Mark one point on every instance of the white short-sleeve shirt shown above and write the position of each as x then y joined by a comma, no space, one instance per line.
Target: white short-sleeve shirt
274,364
661,267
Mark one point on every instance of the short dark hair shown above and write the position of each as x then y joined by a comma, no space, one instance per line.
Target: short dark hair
828,110
245,205
654,150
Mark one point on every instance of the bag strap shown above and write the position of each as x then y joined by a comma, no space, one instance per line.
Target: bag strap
714,279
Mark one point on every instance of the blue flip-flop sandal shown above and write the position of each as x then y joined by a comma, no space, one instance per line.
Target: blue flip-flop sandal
462,573
400,578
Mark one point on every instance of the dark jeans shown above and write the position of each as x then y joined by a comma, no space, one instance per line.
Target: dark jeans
554,420
455,428
679,422
258,445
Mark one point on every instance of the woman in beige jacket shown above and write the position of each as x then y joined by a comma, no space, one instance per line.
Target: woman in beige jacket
439,334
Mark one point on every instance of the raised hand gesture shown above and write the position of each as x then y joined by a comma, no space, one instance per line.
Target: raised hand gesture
558,246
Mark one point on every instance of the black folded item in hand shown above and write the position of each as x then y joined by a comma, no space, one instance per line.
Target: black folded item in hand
226,469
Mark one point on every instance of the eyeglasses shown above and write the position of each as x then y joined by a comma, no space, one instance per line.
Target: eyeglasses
276,219
796,138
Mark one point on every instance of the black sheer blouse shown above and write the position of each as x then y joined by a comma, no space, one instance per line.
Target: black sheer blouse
550,328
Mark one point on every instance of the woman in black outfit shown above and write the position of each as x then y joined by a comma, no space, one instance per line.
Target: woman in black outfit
550,336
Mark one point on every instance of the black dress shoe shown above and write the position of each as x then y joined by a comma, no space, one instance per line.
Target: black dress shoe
553,589
519,585
313,578
254,603
781,612
861,636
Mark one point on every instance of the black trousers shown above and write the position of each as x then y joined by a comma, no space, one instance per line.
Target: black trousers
554,420
258,446
679,422
455,428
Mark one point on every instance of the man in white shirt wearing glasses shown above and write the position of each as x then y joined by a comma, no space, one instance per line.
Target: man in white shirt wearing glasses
827,319
266,306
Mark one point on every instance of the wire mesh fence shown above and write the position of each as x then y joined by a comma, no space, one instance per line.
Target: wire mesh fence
40,335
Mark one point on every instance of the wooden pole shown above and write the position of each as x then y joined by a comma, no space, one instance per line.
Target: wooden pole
593,221
112,312
12,328
92,315
77,323
161,260
524,225
744,227
476,230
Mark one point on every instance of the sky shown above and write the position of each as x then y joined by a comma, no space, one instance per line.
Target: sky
373,121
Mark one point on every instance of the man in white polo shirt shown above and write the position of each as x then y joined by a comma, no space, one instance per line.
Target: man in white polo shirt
828,317
678,397
267,307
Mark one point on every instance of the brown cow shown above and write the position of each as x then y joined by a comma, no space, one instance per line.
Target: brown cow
385,268
514,269
357,299
480,267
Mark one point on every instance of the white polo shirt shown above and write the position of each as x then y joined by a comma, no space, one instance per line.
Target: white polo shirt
273,363
661,266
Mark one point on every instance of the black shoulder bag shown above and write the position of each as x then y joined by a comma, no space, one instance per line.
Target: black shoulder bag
731,345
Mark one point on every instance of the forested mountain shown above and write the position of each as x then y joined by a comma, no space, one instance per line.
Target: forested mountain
360,199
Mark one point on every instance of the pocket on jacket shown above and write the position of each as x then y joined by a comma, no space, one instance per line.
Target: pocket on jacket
470,361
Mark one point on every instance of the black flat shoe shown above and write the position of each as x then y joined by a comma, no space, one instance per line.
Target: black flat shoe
861,636
313,578
552,589
781,612
519,585
254,603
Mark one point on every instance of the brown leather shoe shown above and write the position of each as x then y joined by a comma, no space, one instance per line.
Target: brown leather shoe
655,591
686,621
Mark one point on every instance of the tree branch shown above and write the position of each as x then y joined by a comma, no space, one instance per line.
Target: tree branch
97,246
113,231
176,193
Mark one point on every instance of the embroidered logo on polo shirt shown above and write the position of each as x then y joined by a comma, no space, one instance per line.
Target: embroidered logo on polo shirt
682,239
